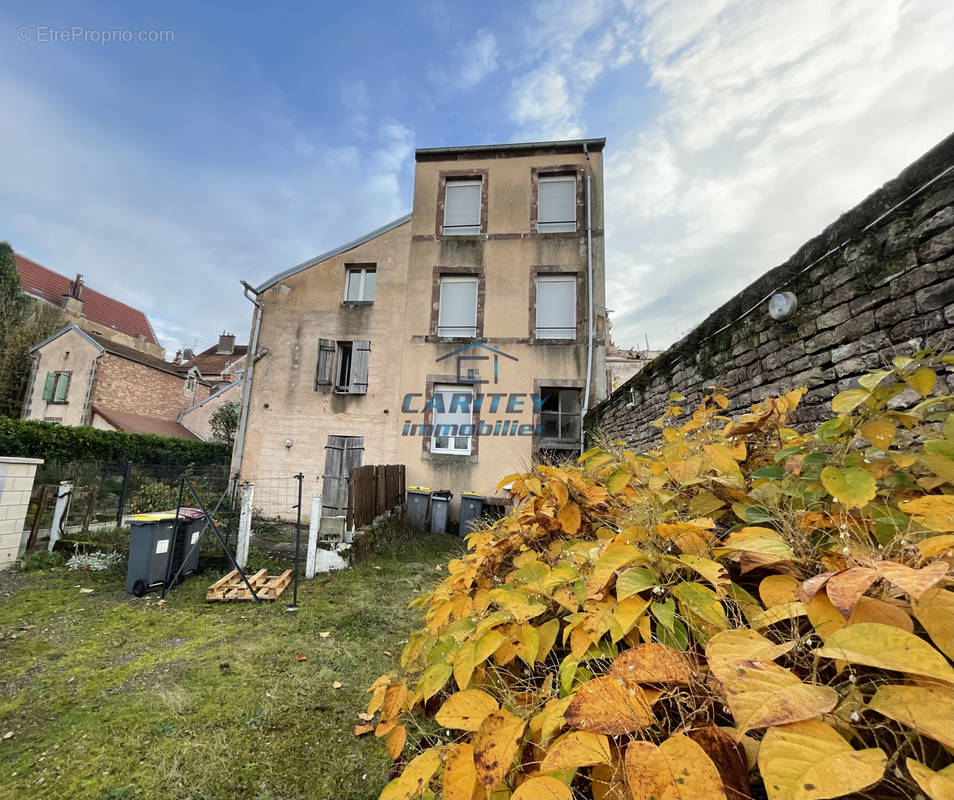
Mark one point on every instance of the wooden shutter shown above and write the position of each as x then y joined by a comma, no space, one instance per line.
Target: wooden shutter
50,386
62,387
326,365
342,453
360,355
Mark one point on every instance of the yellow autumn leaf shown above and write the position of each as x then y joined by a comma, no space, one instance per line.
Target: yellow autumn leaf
936,545
927,709
395,741
460,774
615,557
495,747
922,381
913,581
464,664
542,788
618,481
880,432
651,662
776,614
774,590
935,611
711,570
415,778
727,648
466,710
846,401
570,518
825,618
811,761
547,634
936,785
678,769
611,704
886,647
933,511
577,749
596,460
871,609
433,680
850,486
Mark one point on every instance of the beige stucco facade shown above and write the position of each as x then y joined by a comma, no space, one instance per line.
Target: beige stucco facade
198,418
289,421
71,353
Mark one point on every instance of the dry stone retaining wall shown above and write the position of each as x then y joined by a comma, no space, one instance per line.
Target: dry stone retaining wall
889,290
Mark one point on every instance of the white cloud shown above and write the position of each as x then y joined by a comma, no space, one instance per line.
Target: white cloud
777,117
172,237
480,60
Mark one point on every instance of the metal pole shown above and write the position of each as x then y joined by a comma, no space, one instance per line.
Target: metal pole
123,493
172,541
294,606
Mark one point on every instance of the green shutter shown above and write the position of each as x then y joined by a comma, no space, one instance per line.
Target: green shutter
48,388
62,387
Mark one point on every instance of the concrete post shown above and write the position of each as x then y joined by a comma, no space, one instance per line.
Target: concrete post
245,524
60,510
313,526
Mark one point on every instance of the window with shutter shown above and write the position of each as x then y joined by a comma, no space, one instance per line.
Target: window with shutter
360,357
49,387
457,315
556,204
556,307
62,387
462,207
325,367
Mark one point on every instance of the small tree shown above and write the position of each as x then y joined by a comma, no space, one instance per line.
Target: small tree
23,323
224,422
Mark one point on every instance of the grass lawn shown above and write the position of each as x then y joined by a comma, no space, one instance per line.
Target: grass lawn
109,696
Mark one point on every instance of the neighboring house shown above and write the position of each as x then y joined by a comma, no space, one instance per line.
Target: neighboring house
621,365
88,309
221,364
197,419
454,340
84,378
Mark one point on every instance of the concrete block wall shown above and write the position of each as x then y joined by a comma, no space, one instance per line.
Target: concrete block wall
16,484
887,288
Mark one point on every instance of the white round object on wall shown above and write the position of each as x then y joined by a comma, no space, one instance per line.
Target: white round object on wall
782,305
288,443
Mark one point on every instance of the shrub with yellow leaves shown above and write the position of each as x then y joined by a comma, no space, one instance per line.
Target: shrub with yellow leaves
745,611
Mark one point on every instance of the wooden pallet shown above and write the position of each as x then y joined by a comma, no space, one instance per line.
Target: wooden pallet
232,587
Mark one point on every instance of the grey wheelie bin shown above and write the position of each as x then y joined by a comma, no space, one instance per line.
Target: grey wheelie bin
418,502
191,522
471,507
440,506
150,546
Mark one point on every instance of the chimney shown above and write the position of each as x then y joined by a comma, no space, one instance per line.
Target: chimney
73,300
187,353
226,343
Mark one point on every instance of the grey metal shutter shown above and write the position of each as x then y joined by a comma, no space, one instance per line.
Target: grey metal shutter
360,355
326,363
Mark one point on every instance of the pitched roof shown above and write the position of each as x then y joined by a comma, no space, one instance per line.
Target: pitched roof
135,355
136,423
211,362
50,286
331,253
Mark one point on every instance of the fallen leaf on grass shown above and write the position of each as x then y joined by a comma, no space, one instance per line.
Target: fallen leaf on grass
160,602
361,730
325,634
337,685
86,591
388,653
301,657
365,717
377,567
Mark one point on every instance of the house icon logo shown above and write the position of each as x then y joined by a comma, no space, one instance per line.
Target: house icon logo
468,358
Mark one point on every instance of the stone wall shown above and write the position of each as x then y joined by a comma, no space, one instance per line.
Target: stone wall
890,282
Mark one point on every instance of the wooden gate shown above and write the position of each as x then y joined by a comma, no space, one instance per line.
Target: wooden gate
342,454
374,490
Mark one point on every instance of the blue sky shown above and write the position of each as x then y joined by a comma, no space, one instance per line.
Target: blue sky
264,134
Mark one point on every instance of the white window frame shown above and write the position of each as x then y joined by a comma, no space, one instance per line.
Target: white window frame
442,326
362,285
462,230
449,390
555,226
564,332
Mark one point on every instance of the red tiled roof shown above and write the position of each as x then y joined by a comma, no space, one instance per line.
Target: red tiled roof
135,423
50,286
210,362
